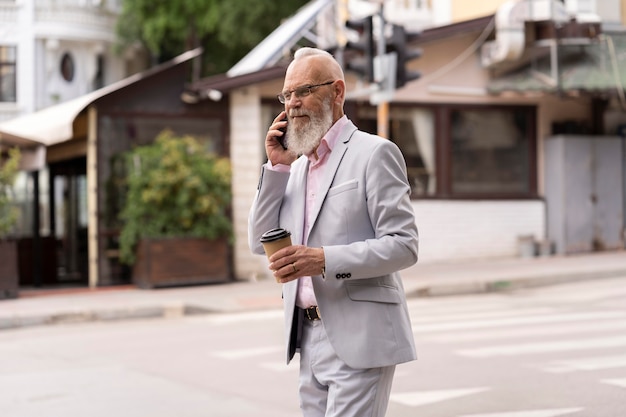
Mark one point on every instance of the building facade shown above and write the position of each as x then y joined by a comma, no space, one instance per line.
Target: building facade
476,143
53,52
477,129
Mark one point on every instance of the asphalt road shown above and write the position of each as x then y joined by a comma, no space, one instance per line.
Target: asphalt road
547,352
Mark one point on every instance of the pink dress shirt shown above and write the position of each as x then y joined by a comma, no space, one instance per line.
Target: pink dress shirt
317,161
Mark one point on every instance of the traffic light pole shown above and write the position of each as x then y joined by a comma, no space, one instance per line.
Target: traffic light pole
382,110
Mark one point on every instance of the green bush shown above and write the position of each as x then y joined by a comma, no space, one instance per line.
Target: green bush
9,167
175,189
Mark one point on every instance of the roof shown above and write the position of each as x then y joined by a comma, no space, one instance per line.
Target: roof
224,83
54,124
257,62
599,67
269,51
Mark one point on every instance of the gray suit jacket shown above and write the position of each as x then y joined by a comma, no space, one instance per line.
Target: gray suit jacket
364,221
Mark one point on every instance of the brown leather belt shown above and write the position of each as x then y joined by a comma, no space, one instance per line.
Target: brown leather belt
312,313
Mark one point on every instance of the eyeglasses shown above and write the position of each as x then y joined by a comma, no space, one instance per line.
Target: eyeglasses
300,92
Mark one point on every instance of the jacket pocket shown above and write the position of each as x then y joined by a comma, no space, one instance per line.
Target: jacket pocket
377,293
345,186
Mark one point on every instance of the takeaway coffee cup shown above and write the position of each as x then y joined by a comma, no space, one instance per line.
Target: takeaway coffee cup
275,239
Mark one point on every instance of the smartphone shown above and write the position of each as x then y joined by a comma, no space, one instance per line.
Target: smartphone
282,139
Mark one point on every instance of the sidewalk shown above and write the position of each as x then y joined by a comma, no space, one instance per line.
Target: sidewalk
42,307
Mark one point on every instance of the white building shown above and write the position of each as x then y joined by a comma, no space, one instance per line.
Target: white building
54,50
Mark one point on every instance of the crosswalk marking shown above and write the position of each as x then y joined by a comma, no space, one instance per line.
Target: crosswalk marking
414,399
617,382
548,330
420,308
585,364
494,326
242,317
247,353
542,319
529,413
482,315
525,348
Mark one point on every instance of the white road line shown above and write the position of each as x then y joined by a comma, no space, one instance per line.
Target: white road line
585,364
247,353
529,413
561,346
442,307
418,398
554,318
617,382
481,315
595,327
231,318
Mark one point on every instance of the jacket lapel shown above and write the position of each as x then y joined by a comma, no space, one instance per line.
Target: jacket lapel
300,173
331,168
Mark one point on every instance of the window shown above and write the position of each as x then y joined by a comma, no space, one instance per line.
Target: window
490,152
67,67
413,130
8,55
463,151
98,81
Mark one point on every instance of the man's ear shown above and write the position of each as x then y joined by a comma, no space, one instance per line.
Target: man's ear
340,92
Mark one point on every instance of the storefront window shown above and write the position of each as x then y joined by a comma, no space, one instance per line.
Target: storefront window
413,130
489,151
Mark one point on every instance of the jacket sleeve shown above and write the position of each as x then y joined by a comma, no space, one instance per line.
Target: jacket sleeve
265,211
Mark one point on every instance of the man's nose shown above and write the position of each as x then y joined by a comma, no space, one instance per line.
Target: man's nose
293,101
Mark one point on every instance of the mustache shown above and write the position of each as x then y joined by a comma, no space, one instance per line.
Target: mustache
298,113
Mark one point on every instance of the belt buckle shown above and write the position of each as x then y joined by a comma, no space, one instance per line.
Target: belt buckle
307,312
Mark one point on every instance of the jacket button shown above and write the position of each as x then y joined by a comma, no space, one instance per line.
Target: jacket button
348,275
338,276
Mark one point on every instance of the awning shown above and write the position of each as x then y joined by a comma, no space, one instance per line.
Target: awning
599,67
54,124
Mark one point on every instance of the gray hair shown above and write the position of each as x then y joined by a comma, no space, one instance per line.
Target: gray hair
306,52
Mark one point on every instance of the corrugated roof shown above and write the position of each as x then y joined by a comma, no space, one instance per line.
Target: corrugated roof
269,51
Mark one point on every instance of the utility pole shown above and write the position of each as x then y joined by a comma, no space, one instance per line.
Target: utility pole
382,110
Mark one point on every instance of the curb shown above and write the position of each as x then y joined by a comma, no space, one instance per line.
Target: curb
175,309
508,284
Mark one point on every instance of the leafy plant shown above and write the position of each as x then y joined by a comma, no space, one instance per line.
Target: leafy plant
9,168
175,188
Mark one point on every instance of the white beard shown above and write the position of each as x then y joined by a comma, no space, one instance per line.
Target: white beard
304,140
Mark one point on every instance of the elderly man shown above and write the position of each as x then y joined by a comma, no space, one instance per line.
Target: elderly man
344,196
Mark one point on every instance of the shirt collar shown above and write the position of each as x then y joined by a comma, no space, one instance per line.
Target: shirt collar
329,140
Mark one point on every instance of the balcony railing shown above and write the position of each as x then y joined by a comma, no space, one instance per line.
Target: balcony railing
96,14
92,14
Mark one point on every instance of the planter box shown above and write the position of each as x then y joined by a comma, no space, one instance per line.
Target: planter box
47,259
181,261
8,269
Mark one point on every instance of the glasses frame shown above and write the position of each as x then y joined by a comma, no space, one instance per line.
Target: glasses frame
302,91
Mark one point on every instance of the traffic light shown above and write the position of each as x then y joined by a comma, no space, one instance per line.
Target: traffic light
362,60
398,43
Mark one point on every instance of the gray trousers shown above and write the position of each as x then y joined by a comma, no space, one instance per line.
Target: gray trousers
330,388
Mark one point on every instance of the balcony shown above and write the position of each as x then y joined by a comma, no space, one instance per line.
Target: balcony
63,18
